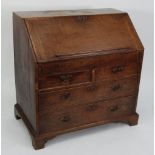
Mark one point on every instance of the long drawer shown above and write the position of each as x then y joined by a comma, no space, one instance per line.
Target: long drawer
88,93
70,72
73,116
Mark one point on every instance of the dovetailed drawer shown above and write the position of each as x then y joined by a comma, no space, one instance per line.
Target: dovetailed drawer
88,93
73,116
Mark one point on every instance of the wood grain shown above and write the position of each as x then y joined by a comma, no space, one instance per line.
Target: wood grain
75,70
87,93
25,71
76,37
72,116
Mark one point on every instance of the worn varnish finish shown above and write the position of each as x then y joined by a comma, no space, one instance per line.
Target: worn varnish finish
74,70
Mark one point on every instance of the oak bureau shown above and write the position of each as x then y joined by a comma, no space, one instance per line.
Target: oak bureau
74,70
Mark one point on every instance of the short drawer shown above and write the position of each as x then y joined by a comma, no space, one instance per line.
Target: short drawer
69,117
117,71
89,93
64,79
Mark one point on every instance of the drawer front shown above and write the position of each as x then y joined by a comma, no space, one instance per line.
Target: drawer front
86,63
73,116
89,93
96,74
64,79
117,71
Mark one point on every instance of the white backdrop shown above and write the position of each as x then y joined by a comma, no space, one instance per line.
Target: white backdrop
118,139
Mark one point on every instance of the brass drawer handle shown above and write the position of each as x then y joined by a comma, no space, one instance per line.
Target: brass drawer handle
114,108
92,88
66,95
66,118
117,69
92,107
65,77
116,87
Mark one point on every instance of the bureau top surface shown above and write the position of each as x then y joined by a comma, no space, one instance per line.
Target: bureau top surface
56,13
57,35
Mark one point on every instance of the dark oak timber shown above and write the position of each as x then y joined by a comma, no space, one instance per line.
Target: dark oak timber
74,70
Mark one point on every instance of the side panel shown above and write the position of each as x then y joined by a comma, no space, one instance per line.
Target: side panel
25,71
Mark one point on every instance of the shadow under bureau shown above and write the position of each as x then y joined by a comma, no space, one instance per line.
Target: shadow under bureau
74,70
